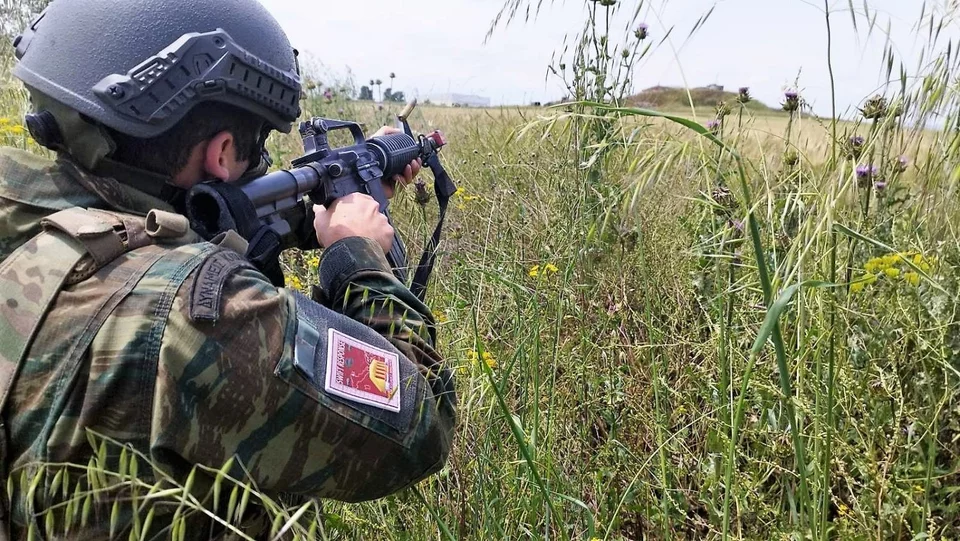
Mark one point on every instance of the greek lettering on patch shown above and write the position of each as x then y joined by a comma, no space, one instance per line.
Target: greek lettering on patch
207,292
362,373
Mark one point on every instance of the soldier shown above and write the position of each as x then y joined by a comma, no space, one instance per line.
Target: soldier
118,321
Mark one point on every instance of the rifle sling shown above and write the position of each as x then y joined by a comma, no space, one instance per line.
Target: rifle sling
444,190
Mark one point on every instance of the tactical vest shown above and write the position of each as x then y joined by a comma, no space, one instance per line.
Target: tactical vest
73,245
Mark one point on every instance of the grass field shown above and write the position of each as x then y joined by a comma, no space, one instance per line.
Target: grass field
663,334
605,336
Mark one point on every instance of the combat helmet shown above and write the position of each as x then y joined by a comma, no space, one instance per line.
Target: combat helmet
138,66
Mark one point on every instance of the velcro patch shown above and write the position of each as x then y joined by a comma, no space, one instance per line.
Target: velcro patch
207,289
362,373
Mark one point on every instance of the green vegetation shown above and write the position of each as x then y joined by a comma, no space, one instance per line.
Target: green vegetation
677,99
665,331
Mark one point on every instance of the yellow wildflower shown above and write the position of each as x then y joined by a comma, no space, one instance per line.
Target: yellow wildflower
869,278
472,356
917,260
17,130
873,265
534,271
440,317
489,359
856,287
4,121
913,278
892,272
550,267
843,510
293,282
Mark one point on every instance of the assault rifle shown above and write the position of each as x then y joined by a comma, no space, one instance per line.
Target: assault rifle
275,212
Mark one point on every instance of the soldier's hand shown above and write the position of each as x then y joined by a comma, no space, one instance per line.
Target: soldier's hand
410,173
356,215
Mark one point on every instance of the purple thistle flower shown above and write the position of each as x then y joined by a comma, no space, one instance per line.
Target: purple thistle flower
854,147
792,102
880,185
902,163
867,175
866,172
643,30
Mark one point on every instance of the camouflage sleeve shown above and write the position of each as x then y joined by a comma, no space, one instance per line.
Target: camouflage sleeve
356,281
310,401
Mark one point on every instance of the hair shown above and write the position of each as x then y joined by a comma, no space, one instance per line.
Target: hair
168,153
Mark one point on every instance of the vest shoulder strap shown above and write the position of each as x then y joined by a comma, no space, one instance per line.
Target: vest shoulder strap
74,244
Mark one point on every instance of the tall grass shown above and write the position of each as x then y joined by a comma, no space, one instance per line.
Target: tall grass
664,331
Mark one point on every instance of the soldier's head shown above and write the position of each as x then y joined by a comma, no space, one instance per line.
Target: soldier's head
188,89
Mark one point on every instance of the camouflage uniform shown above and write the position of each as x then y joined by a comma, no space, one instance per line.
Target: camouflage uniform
190,356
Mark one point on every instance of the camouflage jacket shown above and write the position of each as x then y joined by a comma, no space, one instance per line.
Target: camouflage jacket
195,361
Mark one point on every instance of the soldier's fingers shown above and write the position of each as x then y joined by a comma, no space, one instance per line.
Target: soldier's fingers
416,165
390,186
386,130
320,213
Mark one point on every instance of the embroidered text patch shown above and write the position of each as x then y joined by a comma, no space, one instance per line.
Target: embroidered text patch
362,373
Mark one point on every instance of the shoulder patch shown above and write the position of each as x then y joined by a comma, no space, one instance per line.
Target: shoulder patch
207,289
362,373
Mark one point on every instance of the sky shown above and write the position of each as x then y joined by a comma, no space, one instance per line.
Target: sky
440,46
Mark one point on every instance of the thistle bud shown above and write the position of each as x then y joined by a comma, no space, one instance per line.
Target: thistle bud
854,147
743,96
875,108
791,158
722,110
422,195
724,199
642,31
902,163
792,101
715,126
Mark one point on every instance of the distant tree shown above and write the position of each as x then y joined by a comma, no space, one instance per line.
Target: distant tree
366,93
390,95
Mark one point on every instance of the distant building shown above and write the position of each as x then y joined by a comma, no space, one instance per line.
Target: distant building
460,100
718,88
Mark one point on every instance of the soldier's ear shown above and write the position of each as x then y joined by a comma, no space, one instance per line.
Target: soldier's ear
220,156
